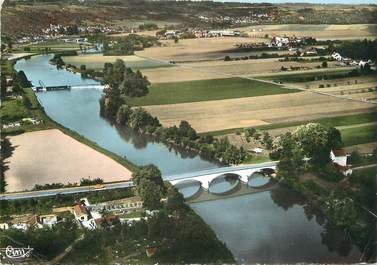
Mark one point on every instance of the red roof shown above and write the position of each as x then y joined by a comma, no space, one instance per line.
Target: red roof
151,251
80,210
339,152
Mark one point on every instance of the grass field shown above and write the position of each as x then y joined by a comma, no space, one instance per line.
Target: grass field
203,90
359,135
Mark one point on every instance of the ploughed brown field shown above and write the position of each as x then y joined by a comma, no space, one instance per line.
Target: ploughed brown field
245,112
50,156
195,49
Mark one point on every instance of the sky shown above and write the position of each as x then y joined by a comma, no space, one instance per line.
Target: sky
306,1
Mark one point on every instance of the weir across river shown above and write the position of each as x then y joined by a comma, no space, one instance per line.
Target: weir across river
43,88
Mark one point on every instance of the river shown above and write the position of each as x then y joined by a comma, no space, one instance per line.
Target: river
276,226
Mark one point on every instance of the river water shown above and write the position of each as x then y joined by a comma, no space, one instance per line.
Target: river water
267,227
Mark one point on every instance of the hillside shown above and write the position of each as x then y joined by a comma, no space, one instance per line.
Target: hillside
25,17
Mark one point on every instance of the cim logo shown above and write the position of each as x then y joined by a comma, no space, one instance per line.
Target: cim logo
12,253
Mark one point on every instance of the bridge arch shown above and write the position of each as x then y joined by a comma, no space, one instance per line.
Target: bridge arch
224,183
189,188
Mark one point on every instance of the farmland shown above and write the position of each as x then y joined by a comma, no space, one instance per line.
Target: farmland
26,168
253,111
204,90
187,50
96,61
252,67
319,31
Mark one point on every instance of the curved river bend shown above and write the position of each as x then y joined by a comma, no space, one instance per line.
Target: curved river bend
276,226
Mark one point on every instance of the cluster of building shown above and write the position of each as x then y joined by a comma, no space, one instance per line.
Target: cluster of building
344,61
89,215
17,124
288,42
252,18
172,34
35,221
53,30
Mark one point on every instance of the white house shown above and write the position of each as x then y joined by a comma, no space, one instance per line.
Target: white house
4,226
49,219
20,226
257,150
336,56
339,158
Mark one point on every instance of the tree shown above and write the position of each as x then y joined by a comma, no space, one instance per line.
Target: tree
324,64
355,158
22,80
140,119
267,140
283,146
314,141
175,200
110,102
16,88
150,193
186,130
135,84
123,114
83,68
3,85
334,140
150,172
227,58
249,132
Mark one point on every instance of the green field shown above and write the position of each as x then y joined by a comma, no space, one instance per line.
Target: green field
359,135
203,90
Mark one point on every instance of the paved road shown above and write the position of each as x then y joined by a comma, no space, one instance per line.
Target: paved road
45,193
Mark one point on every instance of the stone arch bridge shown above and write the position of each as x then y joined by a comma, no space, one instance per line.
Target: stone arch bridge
207,176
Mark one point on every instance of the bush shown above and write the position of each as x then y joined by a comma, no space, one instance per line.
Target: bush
330,173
